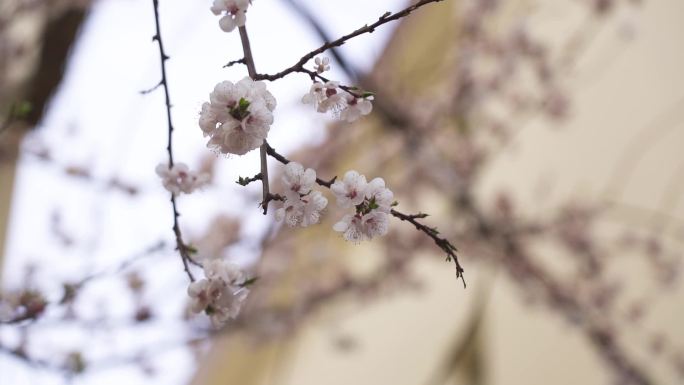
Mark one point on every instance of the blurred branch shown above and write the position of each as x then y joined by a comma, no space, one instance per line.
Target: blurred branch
57,40
324,36
664,123
385,18
559,297
467,341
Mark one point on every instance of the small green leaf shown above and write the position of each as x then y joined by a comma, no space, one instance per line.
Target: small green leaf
191,249
249,281
22,109
243,104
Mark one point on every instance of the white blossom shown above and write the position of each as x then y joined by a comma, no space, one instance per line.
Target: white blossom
372,203
322,64
302,205
334,99
233,12
220,294
303,211
179,178
238,116
316,94
380,195
375,223
297,180
355,107
350,191
325,97
363,227
352,228
341,102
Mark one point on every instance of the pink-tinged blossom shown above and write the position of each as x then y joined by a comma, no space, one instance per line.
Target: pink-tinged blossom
372,203
233,12
350,191
330,97
297,180
316,95
380,195
374,224
322,64
220,294
179,178
334,99
238,116
303,211
363,227
355,107
351,227
325,97
302,205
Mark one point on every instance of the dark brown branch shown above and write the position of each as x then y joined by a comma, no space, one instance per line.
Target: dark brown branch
151,89
386,18
182,248
324,36
433,233
234,62
251,70
245,181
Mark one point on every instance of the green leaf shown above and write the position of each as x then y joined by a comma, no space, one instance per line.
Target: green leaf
249,281
22,109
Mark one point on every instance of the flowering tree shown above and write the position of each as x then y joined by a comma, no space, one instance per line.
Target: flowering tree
453,154
237,120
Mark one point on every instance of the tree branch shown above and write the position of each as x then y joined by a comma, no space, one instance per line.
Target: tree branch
251,70
432,232
386,18
182,248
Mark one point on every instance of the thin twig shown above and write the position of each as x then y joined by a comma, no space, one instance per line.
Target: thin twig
386,18
183,249
245,181
234,62
273,153
432,232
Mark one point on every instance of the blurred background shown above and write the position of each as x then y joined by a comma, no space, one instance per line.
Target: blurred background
544,138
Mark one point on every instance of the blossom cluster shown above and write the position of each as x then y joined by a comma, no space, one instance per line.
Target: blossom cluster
221,293
330,96
179,178
372,202
238,116
233,12
303,205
